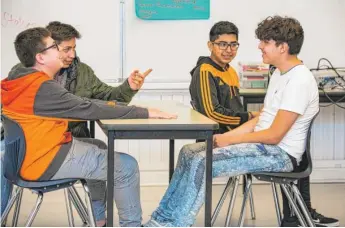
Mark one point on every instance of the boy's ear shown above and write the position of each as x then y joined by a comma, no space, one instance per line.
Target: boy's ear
285,48
210,46
39,58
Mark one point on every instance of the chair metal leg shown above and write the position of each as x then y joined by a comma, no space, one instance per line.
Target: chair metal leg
222,199
79,200
35,210
293,204
78,205
251,201
293,196
17,209
232,201
89,205
276,203
288,187
292,213
69,208
245,197
303,206
10,204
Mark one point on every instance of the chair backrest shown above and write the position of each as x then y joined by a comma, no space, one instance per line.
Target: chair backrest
303,170
14,149
306,165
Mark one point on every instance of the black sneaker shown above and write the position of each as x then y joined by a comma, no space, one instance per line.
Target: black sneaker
293,222
290,222
320,219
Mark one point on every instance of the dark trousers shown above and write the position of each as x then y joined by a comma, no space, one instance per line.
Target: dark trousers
304,187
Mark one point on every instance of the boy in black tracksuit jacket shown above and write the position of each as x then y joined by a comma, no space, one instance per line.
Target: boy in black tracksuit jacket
214,88
214,92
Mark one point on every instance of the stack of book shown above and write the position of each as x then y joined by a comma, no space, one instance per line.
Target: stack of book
254,75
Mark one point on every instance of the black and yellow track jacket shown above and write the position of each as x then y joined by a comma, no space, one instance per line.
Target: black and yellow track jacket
215,93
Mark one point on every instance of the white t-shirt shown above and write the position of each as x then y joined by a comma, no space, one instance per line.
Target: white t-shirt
295,91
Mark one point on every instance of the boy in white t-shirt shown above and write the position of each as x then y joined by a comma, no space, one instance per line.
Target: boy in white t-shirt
295,92
274,141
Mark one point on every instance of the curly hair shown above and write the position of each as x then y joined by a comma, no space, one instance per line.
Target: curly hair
223,27
282,30
62,32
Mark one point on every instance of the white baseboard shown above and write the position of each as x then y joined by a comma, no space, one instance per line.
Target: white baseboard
329,175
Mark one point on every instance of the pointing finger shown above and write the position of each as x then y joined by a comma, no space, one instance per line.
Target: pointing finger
147,72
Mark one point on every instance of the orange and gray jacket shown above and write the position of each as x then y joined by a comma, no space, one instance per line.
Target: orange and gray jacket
43,108
82,81
215,93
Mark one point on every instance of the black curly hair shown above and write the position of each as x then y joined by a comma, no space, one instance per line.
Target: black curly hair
282,30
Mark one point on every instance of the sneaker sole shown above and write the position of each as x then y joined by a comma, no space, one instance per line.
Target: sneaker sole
334,224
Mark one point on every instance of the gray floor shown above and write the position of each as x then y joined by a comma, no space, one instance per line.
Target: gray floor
329,199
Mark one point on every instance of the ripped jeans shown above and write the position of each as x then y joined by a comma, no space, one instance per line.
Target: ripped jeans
186,192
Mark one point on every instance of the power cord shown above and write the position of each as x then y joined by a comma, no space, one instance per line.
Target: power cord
332,101
322,84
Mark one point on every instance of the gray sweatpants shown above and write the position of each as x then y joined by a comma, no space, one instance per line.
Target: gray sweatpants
87,159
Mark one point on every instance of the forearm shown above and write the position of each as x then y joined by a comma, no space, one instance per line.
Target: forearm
265,136
281,125
122,93
247,127
62,104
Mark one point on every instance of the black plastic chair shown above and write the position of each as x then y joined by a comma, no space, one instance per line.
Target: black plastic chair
287,182
15,149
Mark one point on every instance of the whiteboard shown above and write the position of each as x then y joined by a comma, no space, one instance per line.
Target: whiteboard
172,48
97,21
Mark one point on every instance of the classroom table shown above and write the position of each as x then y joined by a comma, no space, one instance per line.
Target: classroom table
189,125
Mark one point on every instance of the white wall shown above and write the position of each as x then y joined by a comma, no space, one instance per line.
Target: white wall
97,21
171,48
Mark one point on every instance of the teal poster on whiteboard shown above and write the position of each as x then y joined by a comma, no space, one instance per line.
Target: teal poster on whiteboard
172,9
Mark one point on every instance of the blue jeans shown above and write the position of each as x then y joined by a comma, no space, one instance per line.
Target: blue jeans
87,159
186,192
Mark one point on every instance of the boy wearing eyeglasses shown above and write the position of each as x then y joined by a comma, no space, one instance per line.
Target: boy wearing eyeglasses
214,87
43,109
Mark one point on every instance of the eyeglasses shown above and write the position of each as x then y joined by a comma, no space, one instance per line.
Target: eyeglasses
54,46
224,45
